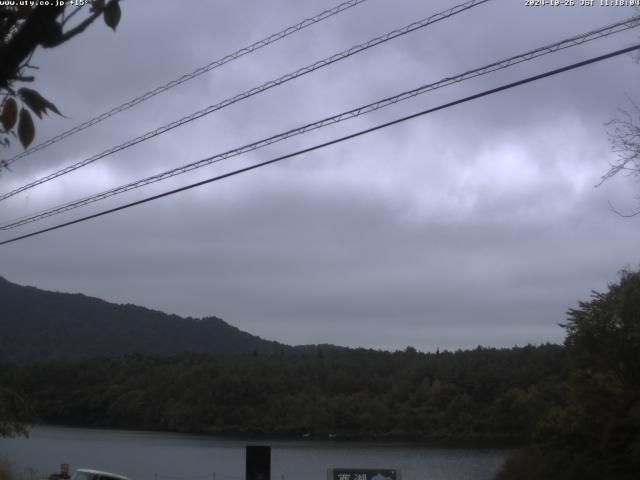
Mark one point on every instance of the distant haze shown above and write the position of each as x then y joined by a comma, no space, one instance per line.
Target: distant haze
479,224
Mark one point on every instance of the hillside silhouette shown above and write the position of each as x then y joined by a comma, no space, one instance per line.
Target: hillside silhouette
39,325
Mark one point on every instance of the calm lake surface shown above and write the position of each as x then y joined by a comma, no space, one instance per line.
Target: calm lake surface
167,456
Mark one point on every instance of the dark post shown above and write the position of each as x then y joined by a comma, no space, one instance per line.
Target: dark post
258,462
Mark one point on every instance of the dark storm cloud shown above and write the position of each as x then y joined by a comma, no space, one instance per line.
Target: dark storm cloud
476,225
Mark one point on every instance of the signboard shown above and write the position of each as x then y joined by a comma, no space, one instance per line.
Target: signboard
363,474
258,462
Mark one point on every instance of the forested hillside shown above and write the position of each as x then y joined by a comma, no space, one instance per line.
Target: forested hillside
476,394
40,325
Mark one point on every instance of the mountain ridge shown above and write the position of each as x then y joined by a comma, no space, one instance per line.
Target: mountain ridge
41,325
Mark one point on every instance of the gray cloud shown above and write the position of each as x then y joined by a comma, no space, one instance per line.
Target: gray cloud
475,225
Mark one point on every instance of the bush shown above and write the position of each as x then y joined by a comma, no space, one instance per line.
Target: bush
6,470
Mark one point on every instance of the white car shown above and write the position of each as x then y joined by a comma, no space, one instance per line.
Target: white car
87,474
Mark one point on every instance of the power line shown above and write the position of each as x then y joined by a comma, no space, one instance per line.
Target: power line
362,110
254,91
573,41
332,142
188,76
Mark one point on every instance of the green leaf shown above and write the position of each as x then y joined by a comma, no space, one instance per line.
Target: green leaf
112,14
36,102
26,129
97,6
9,114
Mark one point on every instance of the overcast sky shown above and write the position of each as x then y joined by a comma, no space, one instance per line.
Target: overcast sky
479,224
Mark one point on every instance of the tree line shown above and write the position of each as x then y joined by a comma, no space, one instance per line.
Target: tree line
479,394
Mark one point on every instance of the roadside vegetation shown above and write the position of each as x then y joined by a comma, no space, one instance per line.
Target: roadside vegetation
596,433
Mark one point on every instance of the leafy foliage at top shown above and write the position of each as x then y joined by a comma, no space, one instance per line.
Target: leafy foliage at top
23,28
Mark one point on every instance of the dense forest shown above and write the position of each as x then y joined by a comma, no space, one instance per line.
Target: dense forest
465,395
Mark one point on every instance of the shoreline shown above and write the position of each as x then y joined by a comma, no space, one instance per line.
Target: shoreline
476,442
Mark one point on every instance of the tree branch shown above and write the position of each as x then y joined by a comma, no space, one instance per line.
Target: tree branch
81,27
68,17
620,214
39,28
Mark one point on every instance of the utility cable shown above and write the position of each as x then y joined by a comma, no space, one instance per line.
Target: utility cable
188,76
254,91
362,110
331,142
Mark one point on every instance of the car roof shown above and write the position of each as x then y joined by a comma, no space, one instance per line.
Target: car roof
100,472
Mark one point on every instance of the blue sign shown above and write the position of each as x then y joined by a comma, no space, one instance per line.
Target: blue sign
363,474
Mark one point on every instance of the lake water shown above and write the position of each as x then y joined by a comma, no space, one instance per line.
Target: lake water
168,456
